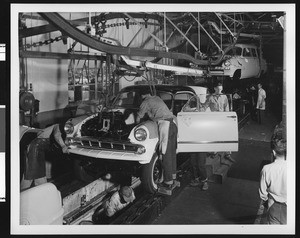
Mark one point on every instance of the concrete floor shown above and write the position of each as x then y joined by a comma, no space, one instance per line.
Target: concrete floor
236,201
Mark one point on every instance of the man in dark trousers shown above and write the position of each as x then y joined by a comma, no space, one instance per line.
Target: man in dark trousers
218,102
273,185
252,93
198,161
261,103
49,139
158,111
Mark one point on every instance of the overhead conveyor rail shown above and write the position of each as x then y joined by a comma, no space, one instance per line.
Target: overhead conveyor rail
66,28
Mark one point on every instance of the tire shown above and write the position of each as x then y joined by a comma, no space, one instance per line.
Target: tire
152,174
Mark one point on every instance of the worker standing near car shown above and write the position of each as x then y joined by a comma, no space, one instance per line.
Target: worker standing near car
273,185
252,93
198,161
49,139
261,103
218,102
159,112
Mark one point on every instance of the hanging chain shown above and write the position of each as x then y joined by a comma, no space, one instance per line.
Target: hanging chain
59,38
131,23
45,42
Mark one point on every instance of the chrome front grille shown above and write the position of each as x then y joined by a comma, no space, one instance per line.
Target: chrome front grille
92,143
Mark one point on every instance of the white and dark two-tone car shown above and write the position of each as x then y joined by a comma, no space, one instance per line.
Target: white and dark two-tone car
111,140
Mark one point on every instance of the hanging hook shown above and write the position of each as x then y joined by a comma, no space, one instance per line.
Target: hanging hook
126,22
146,21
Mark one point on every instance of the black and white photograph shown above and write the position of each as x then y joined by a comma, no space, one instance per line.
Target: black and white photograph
152,118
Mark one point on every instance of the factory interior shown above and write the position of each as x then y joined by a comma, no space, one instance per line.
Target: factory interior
83,76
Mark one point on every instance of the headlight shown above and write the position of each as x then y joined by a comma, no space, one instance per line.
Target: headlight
69,128
227,63
140,134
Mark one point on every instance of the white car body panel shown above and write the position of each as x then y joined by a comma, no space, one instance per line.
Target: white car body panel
250,66
207,132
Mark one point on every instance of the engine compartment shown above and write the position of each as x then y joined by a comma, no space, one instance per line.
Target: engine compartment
108,125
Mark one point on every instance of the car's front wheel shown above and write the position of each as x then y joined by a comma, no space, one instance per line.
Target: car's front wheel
152,174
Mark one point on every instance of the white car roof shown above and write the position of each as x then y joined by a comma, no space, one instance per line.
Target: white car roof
199,90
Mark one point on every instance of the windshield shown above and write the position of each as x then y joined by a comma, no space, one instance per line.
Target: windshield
235,51
126,100
133,99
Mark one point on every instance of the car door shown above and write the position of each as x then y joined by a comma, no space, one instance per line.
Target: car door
206,131
247,64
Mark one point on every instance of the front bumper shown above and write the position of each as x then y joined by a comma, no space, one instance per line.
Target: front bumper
216,72
221,71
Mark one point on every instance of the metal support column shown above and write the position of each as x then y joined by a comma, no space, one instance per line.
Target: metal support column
284,84
96,79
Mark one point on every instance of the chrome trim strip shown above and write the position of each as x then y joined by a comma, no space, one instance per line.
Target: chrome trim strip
206,142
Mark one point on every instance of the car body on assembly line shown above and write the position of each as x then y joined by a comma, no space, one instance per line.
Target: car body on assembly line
242,61
112,140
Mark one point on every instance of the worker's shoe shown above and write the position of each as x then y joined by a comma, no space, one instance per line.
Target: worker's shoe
165,189
165,185
195,182
204,186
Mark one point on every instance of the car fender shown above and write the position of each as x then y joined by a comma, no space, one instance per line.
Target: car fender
151,141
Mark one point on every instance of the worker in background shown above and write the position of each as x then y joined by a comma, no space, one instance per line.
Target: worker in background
218,102
261,103
273,185
252,97
159,112
50,139
116,202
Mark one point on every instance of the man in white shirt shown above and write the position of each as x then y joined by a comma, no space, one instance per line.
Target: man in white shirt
119,200
273,185
261,103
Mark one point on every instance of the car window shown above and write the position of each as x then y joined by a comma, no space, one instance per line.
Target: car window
231,52
238,51
253,52
235,51
180,99
126,99
166,97
247,52
192,105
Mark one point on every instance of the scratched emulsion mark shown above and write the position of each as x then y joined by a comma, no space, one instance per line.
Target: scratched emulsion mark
2,52
2,153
